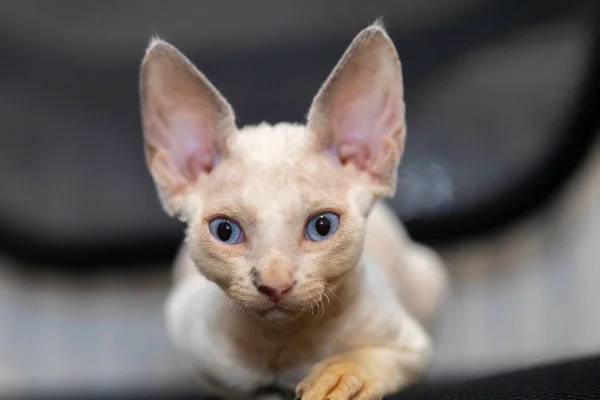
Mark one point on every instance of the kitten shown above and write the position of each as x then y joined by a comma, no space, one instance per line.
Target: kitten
292,273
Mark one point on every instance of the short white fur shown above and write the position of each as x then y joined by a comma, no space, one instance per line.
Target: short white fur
357,319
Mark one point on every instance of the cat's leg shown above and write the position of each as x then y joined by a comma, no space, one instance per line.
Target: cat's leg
186,325
425,284
193,310
371,372
415,272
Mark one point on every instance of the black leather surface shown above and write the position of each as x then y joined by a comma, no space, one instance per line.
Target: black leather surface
574,380
568,380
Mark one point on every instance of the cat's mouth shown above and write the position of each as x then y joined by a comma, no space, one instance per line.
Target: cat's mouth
278,307
278,312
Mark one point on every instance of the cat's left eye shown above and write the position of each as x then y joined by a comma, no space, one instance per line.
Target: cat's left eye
226,230
322,226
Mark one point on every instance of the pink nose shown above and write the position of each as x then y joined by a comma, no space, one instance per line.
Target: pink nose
275,293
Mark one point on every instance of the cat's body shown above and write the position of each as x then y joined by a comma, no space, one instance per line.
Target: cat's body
238,353
273,287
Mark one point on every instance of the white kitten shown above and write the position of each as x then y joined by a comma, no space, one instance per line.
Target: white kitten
273,286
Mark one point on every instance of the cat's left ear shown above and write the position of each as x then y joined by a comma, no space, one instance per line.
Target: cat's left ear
359,111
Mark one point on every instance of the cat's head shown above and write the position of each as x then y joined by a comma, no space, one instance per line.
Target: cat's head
276,214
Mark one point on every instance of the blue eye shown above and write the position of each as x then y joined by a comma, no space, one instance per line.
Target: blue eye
322,226
226,230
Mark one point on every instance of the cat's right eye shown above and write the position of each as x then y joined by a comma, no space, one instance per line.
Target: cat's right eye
226,230
322,226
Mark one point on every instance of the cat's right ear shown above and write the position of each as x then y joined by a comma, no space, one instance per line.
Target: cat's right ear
185,120
358,114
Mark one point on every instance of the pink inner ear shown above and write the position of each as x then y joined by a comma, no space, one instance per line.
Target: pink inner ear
197,160
354,146
365,123
188,145
193,148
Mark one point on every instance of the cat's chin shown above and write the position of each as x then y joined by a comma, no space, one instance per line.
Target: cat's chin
277,314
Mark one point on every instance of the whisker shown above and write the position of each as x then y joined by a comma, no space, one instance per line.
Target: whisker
327,297
231,304
329,288
322,303
313,304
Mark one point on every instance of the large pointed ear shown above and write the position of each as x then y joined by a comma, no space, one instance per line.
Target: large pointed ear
359,112
185,120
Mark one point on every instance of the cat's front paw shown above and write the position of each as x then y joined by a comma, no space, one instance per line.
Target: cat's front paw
338,381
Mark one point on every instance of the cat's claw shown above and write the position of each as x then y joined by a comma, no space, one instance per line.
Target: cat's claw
340,381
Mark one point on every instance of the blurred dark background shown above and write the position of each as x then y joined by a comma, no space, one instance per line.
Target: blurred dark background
502,110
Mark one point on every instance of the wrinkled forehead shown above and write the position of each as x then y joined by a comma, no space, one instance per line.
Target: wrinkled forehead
276,173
